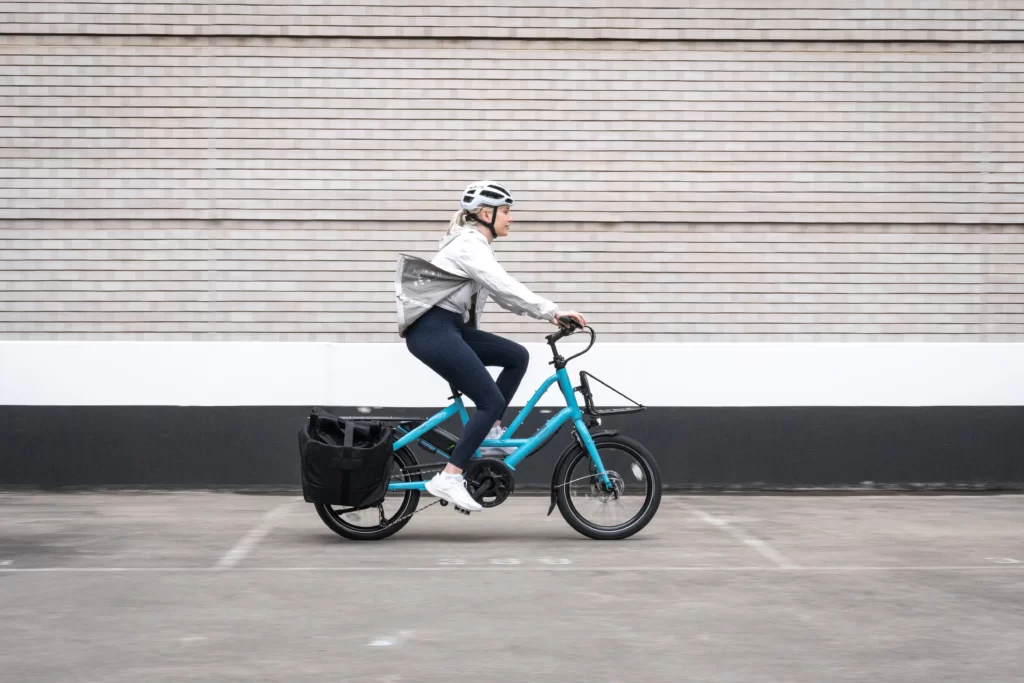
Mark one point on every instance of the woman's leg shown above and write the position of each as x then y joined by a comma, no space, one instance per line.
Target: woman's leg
437,340
495,351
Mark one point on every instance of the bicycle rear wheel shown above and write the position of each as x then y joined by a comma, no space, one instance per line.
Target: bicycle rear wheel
366,524
597,512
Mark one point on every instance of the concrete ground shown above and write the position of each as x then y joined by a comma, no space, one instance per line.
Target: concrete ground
162,587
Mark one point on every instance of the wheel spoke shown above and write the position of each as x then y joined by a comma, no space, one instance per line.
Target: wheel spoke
589,500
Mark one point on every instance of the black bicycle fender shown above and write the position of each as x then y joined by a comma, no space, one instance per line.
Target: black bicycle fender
577,443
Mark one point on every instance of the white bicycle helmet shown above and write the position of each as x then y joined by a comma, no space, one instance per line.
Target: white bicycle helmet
486,193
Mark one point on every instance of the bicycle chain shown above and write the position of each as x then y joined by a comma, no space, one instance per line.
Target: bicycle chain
385,523
405,517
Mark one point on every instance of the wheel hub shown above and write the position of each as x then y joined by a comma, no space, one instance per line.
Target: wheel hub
600,490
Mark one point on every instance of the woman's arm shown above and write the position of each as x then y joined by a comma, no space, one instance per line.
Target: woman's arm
478,261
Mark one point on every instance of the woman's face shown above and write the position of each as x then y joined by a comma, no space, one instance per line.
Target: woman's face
503,221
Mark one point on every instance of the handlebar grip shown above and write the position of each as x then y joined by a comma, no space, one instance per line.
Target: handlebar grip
569,323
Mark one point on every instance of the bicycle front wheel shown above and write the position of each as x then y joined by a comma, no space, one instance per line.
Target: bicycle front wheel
597,511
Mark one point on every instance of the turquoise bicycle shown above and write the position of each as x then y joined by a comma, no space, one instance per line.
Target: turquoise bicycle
606,485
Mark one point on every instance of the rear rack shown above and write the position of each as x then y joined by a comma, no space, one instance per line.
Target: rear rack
436,440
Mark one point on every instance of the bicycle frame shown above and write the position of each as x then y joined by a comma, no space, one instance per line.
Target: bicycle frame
523,447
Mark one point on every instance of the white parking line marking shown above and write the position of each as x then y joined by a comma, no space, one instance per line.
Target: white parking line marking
769,552
1009,568
388,642
760,546
255,535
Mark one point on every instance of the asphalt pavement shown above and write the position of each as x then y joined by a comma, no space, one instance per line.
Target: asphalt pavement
200,586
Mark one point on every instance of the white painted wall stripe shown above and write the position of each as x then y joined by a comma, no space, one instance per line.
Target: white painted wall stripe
387,375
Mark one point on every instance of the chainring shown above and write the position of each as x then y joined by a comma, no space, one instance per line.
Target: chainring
492,471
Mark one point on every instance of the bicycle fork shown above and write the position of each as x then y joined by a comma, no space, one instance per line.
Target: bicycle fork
584,438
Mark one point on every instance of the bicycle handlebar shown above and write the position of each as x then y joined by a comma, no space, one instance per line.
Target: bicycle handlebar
569,322
568,326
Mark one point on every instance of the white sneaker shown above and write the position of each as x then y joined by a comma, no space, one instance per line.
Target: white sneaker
452,487
494,451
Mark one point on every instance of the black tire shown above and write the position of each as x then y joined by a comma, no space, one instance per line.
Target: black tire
648,506
332,515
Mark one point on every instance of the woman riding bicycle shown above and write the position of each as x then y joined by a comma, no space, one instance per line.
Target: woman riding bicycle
440,304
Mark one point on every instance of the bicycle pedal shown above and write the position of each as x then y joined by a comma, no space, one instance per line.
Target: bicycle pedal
462,510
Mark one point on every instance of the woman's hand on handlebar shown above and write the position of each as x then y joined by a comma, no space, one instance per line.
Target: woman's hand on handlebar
573,315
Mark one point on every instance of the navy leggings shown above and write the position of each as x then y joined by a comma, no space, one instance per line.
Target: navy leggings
459,354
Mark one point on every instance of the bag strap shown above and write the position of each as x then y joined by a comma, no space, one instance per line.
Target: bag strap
472,312
350,428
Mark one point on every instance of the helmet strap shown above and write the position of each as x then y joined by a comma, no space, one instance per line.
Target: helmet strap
490,226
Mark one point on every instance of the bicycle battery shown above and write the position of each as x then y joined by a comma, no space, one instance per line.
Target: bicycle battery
436,440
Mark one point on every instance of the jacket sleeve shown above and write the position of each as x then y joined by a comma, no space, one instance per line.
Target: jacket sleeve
478,261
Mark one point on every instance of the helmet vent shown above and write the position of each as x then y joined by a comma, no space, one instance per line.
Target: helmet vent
495,195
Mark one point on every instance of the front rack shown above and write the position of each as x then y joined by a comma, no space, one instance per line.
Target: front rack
588,398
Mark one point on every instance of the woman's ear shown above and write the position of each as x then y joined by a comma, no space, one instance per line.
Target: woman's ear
485,214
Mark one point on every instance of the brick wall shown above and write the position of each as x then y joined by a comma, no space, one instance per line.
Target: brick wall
889,20
183,171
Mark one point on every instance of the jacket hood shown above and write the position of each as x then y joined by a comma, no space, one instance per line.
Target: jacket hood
458,232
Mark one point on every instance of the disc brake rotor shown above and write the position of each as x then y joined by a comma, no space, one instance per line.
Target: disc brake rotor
600,491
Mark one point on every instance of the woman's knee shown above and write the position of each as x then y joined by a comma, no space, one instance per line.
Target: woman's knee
490,401
521,357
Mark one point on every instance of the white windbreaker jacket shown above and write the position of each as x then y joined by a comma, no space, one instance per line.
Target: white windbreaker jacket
464,267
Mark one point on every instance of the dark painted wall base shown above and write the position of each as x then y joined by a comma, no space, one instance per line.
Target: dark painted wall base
748,448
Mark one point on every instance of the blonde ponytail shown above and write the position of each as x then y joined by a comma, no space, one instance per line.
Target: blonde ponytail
459,219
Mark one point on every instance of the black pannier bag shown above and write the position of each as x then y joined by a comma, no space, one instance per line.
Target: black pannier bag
344,462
